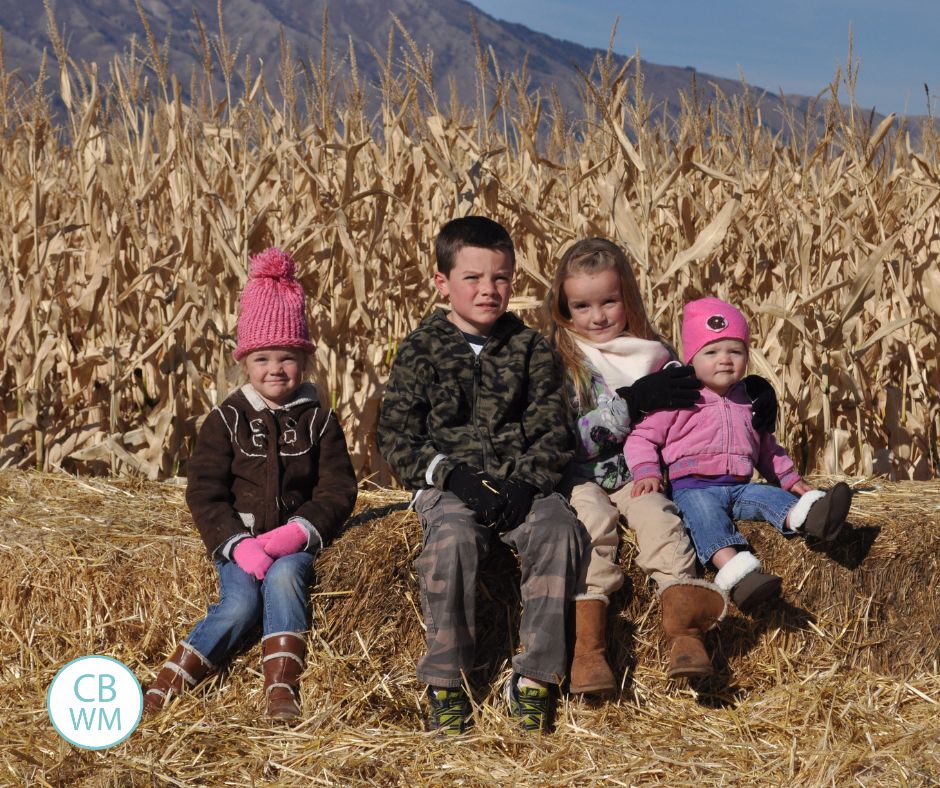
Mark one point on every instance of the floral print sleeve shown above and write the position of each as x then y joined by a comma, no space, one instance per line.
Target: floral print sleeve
601,433
604,429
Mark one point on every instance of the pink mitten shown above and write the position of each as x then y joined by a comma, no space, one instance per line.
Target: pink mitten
250,556
285,540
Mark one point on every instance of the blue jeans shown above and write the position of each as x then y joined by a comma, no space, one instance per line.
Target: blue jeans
279,601
710,512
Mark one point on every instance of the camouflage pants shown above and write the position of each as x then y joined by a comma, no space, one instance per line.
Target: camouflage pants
549,544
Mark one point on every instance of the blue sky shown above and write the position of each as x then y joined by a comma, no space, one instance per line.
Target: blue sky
793,45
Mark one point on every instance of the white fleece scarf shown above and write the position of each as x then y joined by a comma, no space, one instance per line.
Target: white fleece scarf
623,360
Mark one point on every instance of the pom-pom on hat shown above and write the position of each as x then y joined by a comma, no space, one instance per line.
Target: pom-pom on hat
708,320
272,310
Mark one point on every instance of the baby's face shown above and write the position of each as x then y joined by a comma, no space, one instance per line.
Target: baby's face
275,373
719,365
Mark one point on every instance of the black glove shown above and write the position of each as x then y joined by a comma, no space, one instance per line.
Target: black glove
477,489
763,403
669,389
516,500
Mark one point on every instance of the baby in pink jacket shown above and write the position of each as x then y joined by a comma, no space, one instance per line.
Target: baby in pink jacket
711,451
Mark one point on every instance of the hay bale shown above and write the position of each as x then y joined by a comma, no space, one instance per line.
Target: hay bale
841,684
877,583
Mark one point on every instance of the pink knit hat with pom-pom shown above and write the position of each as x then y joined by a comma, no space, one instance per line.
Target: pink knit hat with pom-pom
272,306
708,320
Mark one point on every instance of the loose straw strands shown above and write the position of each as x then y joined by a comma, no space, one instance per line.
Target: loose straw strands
839,685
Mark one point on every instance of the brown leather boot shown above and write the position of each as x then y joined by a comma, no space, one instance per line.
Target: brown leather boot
182,671
282,663
689,609
589,669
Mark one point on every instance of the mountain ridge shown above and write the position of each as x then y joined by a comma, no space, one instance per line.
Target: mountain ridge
97,30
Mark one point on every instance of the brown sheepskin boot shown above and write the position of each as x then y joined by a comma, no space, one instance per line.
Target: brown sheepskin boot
821,514
282,664
689,609
182,671
589,669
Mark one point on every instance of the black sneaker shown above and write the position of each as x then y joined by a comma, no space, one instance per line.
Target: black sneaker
534,706
450,710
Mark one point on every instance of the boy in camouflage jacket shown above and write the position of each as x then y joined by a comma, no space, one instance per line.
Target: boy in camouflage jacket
474,420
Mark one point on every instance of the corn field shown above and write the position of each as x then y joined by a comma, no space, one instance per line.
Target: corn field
128,214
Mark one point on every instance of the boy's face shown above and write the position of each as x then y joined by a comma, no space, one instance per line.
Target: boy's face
719,365
275,373
478,288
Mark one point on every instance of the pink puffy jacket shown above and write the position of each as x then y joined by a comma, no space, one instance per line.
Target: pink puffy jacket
713,438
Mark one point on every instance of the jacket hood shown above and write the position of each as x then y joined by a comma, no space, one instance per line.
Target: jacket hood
507,324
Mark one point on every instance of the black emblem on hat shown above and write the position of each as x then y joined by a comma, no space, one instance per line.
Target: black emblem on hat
717,323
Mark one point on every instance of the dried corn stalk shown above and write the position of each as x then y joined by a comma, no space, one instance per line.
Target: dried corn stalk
123,252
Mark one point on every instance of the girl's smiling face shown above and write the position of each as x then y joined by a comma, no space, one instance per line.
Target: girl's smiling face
595,303
275,373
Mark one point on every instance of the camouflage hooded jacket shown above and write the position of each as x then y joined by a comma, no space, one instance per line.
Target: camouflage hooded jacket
502,410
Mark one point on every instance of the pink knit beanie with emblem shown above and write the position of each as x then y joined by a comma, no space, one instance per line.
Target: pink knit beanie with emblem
708,320
272,306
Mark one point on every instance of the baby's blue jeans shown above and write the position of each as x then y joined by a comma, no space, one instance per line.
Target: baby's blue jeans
279,601
709,513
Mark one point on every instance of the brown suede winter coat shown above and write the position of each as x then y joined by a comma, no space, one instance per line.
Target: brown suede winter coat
254,468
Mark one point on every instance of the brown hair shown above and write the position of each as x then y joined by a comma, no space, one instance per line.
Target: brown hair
470,231
591,256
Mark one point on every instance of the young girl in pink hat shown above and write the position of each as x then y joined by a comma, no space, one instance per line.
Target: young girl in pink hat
711,451
269,484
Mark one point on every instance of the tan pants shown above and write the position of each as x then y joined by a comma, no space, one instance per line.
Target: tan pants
665,550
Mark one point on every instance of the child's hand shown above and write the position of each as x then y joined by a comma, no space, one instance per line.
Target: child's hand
648,485
669,389
477,489
517,499
285,540
250,556
763,403
801,488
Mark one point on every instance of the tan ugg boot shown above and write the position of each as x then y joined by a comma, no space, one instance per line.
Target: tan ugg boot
282,664
689,609
182,671
589,669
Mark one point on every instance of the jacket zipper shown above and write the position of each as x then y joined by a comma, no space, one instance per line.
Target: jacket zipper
274,472
726,429
477,380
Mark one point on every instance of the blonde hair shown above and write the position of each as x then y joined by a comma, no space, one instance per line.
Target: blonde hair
591,256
